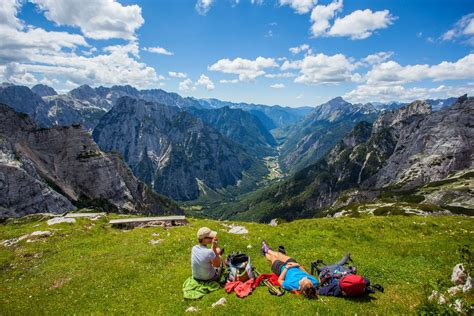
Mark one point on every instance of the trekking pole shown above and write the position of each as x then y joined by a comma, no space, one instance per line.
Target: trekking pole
271,288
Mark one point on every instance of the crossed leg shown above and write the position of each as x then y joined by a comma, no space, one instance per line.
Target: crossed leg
274,255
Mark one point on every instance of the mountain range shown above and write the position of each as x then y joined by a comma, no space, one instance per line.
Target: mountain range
171,150
320,130
402,150
237,160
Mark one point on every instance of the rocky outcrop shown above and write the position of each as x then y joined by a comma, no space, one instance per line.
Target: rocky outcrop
61,168
397,119
430,146
171,150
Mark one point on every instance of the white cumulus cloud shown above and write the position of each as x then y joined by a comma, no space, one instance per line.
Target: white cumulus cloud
359,24
97,19
158,50
225,81
174,74
300,6
367,93
321,15
245,68
299,49
277,86
391,72
464,28
206,82
377,58
321,69
186,85
281,75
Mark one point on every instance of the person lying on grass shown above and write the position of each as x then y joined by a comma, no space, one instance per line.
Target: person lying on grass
291,275
206,263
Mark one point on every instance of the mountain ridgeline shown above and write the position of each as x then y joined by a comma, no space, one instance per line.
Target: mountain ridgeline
402,150
320,130
230,160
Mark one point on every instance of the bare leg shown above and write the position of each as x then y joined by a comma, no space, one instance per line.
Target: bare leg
274,255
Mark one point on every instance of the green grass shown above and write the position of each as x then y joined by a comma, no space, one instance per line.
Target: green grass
90,267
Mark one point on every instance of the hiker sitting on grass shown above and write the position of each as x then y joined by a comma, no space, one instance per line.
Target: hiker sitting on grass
205,262
291,275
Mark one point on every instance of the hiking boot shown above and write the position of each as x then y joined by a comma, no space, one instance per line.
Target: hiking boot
265,248
282,249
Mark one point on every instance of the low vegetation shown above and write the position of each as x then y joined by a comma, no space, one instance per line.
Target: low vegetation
89,267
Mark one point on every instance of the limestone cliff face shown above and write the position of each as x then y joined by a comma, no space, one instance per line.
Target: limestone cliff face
61,168
171,150
430,146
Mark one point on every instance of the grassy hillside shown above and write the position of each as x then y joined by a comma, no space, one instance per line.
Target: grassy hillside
89,267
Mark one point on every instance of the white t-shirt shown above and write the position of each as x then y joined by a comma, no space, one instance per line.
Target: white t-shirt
201,263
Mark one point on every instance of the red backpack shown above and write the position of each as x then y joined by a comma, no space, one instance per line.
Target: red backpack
353,285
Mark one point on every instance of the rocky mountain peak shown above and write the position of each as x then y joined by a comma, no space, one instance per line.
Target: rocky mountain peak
394,117
464,102
43,90
83,92
23,100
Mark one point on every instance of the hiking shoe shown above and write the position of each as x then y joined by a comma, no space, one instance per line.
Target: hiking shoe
265,248
282,249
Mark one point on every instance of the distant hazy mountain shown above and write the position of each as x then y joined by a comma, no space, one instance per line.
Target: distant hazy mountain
240,126
51,109
320,130
58,169
171,150
43,90
438,104
272,117
23,100
402,150
87,95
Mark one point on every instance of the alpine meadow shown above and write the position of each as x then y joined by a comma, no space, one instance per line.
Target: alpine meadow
236,157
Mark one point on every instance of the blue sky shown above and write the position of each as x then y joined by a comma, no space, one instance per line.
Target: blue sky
240,50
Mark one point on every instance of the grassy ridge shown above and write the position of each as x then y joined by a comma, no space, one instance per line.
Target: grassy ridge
90,267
